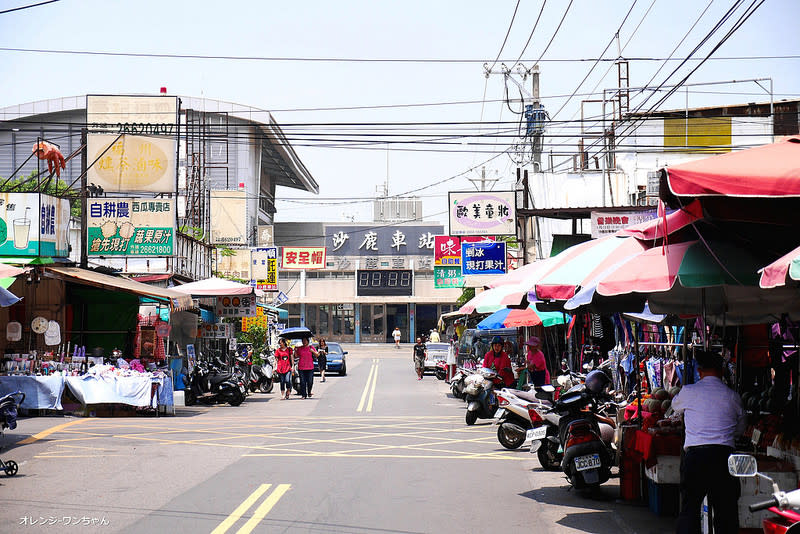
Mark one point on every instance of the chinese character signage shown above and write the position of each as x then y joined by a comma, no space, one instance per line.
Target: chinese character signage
303,258
399,240
234,263
215,331
482,213
33,225
447,277
260,320
264,268
607,223
236,306
228,218
130,226
483,258
447,248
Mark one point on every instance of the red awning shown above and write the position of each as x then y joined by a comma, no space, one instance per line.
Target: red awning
771,171
654,228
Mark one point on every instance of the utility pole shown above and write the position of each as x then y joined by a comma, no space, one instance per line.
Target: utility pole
483,180
84,256
536,139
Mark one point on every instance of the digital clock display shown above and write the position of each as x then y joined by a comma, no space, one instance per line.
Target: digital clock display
384,282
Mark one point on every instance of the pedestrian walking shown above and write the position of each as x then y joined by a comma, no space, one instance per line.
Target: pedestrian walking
305,355
283,366
322,358
396,335
713,417
419,358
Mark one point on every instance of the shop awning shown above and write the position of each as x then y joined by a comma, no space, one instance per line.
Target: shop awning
177,301
26,260
282,314
215,287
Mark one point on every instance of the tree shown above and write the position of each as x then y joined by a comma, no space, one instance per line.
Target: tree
258,336
54,186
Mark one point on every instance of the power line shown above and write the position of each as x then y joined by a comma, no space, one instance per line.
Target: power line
27,7
505,40
535,24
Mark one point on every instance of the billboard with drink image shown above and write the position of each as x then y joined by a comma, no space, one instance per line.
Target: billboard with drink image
33,224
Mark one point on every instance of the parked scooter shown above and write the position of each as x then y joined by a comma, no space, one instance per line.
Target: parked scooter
441,370
517,413
257,377
480,396
209,384
782,504
585,433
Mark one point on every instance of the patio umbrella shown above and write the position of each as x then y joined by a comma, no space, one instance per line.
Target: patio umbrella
530,316
514,283
775,274
216,287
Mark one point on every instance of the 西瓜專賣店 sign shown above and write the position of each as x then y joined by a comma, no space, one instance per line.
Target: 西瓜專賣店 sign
130,226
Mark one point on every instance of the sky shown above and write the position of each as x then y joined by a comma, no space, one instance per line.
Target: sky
431,91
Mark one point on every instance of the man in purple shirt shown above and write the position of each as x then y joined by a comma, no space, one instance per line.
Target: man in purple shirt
713,417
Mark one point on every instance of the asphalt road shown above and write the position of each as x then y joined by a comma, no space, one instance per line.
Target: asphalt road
375,451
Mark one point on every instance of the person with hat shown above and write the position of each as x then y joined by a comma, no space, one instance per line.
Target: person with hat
536,364
713,417
497,360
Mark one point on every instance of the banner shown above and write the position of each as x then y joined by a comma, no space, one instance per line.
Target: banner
33,224
234,263
447,277
303,258
236,306
398,240
130,226
482,213
607,223
264,268
447,248
228,218
483,258
215,331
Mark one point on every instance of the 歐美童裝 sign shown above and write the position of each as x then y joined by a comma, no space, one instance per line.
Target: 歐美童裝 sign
483,258
130,226
482,213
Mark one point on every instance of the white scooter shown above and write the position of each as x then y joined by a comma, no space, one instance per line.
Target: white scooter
518,411
782,503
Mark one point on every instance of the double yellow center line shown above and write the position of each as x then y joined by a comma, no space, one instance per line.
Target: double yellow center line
262,510
369,389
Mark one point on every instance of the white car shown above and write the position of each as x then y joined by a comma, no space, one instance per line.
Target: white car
436,352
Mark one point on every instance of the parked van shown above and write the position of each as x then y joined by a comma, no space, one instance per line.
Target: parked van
475,343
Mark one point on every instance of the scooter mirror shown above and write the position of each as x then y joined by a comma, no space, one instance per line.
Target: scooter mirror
742,465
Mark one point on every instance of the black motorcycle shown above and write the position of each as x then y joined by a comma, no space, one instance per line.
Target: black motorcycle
210,384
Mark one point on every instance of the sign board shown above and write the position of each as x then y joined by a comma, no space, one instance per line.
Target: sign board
384,282
396,240
482,213
303,258
483,258
261,320
234,263
216,330
447,248
236,306
282,298
33,224
228,218
607,223
266,235
264,268
447,277
132,226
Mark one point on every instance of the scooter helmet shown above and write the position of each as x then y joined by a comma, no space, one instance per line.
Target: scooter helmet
597,381
497,339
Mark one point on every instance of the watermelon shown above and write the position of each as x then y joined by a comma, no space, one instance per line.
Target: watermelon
660,394
674,391
665,405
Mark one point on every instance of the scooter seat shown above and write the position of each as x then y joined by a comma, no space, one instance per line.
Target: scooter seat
216,379
529,396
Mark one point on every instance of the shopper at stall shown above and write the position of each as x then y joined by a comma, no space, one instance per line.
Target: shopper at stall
419,358
536,364
497,360
283,366
713,417
322,358
305,355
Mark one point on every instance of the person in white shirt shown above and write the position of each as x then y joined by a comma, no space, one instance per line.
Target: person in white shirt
396,335
434,337
713,417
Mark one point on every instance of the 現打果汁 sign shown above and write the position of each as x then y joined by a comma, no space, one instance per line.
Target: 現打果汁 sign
483,258
130,226
482,213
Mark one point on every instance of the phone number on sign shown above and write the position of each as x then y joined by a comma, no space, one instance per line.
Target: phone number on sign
151,249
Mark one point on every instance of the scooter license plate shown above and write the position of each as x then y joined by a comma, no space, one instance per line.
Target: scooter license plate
535,434
499,412
590,461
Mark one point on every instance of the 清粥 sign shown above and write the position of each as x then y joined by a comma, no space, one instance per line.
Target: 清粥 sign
130,226
483,258
447,277
482,213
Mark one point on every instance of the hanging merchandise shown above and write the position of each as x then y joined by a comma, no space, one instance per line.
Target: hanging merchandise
52,336
14,331
39,325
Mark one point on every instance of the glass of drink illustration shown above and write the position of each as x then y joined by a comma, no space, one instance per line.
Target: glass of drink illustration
22,228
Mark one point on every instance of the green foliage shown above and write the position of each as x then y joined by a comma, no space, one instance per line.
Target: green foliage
55,187
226,251
467,294
192,231
258,336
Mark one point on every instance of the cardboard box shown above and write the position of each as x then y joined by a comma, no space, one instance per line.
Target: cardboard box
756,489
666,471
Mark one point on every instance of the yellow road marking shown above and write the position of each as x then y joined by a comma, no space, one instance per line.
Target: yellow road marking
264,508
373,370
241,509
372,392
43,434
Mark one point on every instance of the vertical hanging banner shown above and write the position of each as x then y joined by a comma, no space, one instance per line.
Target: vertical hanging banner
132,142
264,268
130,226
482,213
483,258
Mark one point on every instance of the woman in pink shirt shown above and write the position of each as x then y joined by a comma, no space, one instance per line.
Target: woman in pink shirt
305,354
537,365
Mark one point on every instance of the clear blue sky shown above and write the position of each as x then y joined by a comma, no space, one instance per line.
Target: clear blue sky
409,29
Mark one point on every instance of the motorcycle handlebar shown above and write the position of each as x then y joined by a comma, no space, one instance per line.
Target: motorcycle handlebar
755,507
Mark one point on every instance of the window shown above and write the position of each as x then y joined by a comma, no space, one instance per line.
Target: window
294,315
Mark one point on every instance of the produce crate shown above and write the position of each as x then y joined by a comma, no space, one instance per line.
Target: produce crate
664,499
666,471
